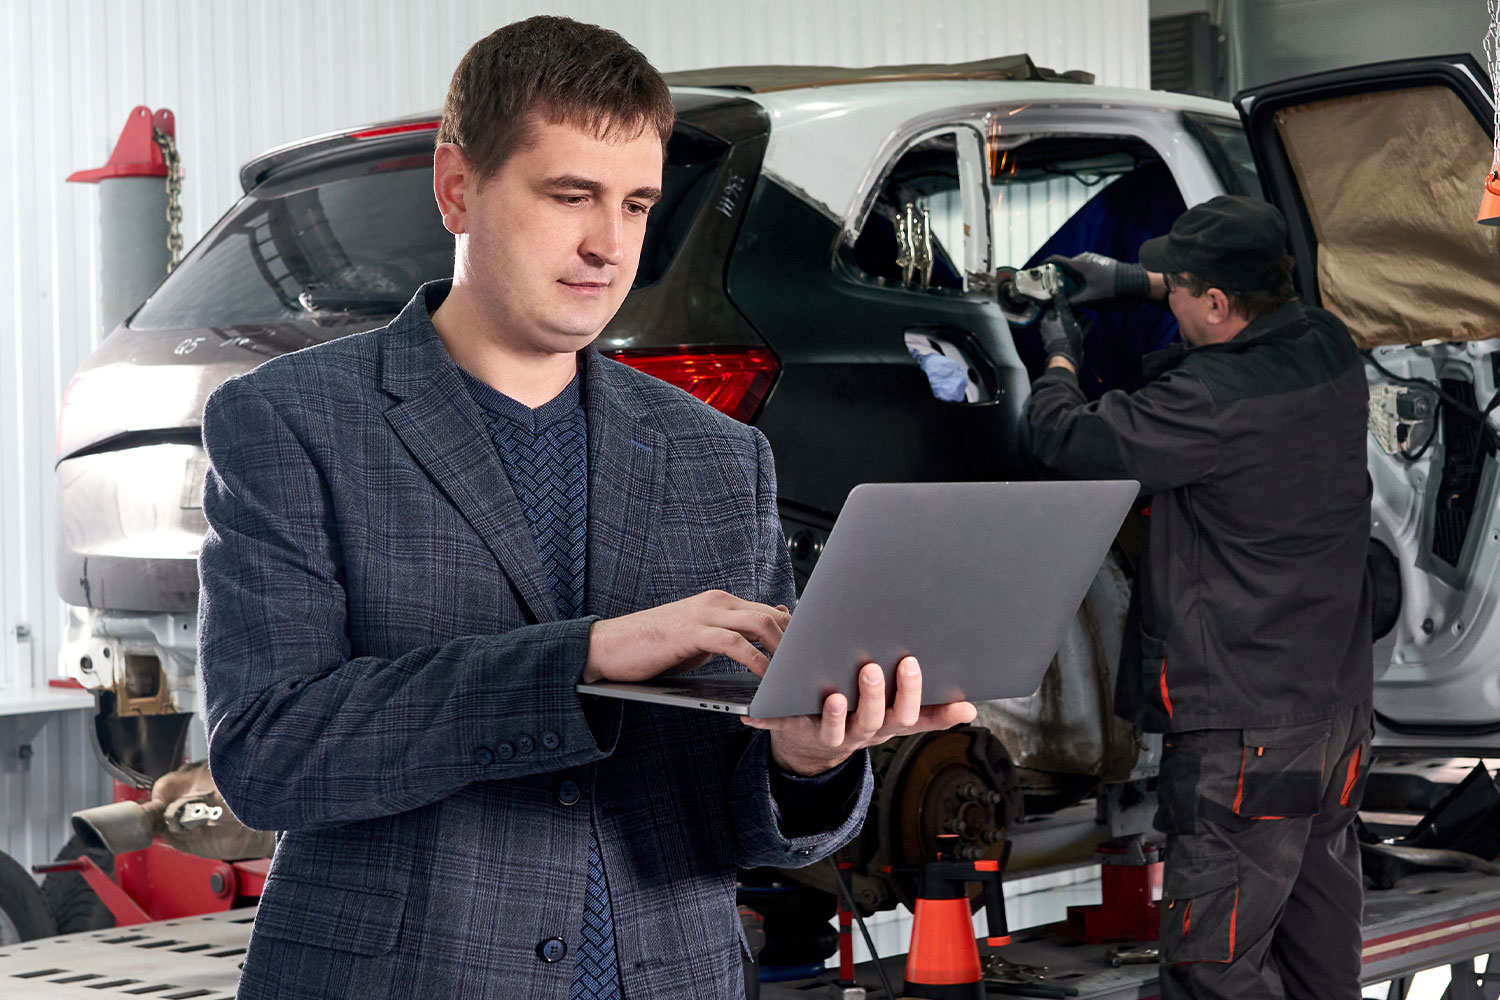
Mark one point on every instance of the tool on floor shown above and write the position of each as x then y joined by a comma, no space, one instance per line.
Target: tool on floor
999,969
1133,954
943,962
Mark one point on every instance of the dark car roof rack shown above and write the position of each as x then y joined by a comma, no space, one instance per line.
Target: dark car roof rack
765,79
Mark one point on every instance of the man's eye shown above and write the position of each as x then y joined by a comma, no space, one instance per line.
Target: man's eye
572,199
637,209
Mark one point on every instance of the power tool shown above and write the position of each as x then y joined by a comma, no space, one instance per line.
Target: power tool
1023,294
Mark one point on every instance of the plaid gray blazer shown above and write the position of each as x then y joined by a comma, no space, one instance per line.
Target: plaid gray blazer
386,681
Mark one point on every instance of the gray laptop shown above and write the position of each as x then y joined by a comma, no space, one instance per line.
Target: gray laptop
977,580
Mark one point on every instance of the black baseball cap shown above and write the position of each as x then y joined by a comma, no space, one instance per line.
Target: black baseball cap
1232,242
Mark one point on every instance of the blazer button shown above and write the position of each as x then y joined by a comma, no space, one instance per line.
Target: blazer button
504,751
550,741
567,792
484,756
525,745
551,950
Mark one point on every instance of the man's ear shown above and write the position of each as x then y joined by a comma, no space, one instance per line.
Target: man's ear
452,180
1220,310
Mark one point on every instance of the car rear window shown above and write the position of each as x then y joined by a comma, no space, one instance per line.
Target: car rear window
360,237
1228,151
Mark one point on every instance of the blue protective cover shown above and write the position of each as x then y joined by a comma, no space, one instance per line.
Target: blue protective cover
1115,222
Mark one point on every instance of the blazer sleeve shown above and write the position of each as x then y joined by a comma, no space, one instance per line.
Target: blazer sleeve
301,734
781,825
1165,434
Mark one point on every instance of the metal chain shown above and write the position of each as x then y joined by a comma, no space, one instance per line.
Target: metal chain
174,195
1492,58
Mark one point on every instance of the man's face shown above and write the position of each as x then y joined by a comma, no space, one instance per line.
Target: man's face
1195,313
549,244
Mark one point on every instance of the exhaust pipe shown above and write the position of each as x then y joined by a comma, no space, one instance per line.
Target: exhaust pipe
185,811
120,827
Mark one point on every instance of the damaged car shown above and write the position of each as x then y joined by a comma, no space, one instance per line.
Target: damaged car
823,265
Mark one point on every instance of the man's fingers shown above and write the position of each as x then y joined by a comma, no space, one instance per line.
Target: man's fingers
869,713
835,713
762,626
727,642
725,601
907,708
954,713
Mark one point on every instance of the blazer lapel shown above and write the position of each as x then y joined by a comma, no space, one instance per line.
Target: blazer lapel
627,484
441,426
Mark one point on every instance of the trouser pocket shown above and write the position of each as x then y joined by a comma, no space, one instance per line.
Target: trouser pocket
1200,897
1281,771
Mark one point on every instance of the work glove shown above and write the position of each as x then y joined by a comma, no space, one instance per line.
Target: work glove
1062,334
1094,279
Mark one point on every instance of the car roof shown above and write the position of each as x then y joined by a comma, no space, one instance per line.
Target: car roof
769,78
825,141
829,125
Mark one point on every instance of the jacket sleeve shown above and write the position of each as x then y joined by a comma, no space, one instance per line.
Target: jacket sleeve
791,822
1165,435
301,734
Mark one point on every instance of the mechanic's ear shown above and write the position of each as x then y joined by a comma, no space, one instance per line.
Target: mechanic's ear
1219,306
451,181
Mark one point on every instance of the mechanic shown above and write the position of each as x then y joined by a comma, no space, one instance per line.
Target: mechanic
1249,643
421,539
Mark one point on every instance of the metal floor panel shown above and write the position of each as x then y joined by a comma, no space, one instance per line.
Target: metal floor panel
193,958
1426,921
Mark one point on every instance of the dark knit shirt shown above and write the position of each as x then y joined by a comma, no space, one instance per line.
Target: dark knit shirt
545,454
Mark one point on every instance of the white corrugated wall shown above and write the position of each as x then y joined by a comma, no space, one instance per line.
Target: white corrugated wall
242,77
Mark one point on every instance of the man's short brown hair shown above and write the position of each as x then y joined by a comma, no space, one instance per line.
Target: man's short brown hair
1251,305
553,70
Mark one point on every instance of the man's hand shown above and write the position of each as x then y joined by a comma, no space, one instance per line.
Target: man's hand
1096,279
811,744
683,635
1062,334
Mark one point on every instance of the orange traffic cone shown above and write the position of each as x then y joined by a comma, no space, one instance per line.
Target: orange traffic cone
1489,205
943,963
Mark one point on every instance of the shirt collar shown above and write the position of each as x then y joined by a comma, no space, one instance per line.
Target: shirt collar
559,408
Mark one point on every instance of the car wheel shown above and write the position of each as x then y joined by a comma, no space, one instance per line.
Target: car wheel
23,912
72,902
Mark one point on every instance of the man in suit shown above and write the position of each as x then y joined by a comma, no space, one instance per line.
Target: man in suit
422,538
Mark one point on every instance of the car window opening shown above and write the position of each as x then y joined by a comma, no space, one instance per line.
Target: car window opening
1067,194
915,221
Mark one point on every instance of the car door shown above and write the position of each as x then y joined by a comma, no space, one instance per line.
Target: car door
852,322
1380,171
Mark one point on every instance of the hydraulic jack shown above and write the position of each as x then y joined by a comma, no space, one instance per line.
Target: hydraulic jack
1130,877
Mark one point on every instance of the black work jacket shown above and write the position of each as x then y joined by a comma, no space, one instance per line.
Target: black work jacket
1251,609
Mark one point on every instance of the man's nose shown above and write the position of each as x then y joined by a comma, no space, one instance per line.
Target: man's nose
601,240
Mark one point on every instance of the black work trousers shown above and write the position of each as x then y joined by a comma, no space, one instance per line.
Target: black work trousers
1261,895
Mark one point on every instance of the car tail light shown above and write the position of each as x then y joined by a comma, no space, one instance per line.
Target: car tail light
733,380
375,133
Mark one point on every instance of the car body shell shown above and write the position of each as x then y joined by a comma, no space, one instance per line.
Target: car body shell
763,262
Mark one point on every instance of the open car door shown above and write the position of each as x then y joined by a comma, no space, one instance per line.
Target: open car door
1379,170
